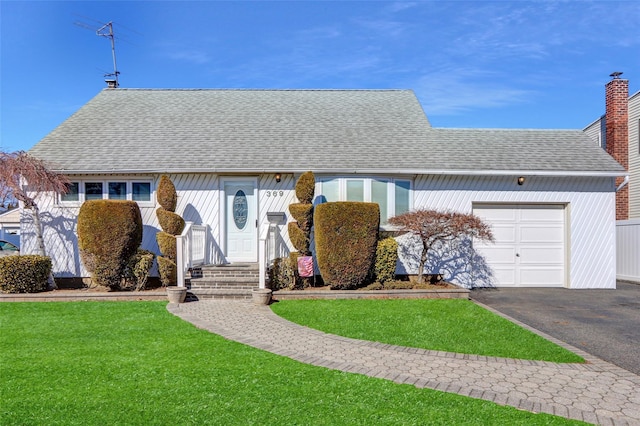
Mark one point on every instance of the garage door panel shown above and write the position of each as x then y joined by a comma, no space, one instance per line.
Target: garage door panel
503,233
541,234
499,255
496,214
541,277
542,213
542,255
504,276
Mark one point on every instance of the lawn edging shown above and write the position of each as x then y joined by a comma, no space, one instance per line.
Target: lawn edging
445,293
80,295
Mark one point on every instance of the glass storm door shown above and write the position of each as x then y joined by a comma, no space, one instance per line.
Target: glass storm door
241,221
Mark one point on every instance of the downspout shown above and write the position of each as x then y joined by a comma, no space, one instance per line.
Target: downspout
623,184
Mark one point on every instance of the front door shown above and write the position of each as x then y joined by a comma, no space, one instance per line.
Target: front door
241,220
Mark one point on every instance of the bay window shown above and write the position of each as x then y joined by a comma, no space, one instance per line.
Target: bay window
392,195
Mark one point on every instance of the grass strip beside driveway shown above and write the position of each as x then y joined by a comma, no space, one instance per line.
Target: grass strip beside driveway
99,363
451,325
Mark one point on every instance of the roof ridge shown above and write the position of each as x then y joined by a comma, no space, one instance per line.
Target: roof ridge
142,89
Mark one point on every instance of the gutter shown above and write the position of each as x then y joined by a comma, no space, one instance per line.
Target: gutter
358,171
623,184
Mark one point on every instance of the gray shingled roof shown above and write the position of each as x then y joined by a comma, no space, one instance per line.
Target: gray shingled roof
382,131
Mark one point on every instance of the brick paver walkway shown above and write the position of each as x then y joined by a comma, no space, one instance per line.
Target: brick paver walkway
595,392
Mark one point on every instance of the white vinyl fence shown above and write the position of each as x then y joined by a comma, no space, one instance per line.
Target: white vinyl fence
628,250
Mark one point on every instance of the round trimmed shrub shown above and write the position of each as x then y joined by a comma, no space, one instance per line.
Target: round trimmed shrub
346,237
303,214
167,245
170,222
24,274
305,188
109,233
166,194
298,237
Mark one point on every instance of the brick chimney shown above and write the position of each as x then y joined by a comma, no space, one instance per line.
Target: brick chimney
617,136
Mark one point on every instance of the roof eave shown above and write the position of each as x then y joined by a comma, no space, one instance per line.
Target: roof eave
358,171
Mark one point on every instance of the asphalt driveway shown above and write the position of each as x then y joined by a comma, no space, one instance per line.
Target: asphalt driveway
604,323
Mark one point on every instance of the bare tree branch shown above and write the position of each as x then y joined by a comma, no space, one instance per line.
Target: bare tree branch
440,227
36,173
26,178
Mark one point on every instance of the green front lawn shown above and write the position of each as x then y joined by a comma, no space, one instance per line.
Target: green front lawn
452,325
133,363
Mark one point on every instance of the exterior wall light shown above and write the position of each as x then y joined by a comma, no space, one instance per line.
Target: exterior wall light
278,177
521,180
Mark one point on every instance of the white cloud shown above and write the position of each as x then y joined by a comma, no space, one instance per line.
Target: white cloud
451,91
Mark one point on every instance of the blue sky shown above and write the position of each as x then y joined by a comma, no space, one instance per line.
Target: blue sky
471,64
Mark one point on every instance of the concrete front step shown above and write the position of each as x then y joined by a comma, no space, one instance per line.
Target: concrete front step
243,276
226,283
232,270
210,293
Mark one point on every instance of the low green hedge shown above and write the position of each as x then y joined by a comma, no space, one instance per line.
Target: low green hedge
282,274
137,271
386,260
168,271
24,274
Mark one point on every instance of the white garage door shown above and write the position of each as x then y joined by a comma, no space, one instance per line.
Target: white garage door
529,250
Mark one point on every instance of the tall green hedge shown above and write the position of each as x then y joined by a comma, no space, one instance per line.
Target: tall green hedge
109,233
24,274
346,237
300,228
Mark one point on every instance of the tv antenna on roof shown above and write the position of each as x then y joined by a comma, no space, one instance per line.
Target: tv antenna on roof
106,30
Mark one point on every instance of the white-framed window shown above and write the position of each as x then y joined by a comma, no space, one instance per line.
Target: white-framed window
139,190
393,195
73,193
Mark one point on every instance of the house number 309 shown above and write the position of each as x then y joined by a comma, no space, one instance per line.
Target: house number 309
275,193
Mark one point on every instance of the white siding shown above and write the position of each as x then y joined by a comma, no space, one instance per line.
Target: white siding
634,156
589,204
198,202
276,197
597,131
628,249
590,223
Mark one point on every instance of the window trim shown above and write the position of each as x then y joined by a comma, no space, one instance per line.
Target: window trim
105,190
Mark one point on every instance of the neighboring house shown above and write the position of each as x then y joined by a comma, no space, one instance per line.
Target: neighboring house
10,226
617,131
549,194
